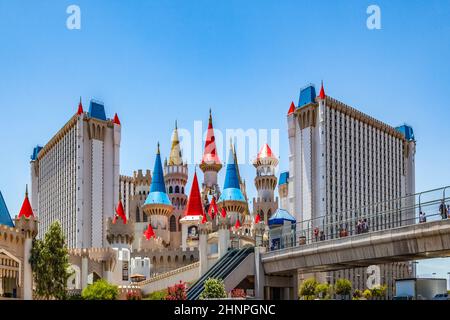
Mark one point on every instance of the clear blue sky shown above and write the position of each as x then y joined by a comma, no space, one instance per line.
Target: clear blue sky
154,61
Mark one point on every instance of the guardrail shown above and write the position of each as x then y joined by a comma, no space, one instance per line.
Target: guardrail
168,274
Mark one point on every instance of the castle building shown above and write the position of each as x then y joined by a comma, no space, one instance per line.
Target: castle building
75,177
158,205
176,176
210,164
265,181
341,160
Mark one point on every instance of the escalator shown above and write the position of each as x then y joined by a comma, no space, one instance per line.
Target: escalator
220,270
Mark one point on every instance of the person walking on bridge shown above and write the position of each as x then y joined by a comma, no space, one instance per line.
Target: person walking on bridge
443,210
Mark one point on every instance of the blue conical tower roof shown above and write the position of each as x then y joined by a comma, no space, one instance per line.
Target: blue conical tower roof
158,193
5,218
231,188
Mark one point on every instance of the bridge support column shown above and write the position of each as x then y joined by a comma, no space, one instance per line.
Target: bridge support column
84,270
294,291
259,274
224,236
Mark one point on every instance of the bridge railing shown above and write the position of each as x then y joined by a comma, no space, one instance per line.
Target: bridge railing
422,207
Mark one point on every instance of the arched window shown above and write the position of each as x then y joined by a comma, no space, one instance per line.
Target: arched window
182,190
192,258
179,224
177,189
169,259
138,216
173,224
145,218
170,189
161,260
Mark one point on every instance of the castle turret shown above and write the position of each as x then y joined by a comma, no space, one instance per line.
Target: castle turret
175,176
28,225
210,164
120,236
157,205
192,217
266,181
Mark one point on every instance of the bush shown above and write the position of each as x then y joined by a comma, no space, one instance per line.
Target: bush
100,290
357,294
308,289
322,291
238,293
378,291
214,289
157,295
133,296
177,292
367,294
343,287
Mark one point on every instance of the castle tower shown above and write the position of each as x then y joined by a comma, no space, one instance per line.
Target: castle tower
157,205
175,176
192,217
266,181
232,200
120,236
210,164
28,225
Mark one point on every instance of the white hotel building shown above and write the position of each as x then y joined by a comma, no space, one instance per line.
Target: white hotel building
342,159
75,177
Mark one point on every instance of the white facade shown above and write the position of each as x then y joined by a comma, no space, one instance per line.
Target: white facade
75,180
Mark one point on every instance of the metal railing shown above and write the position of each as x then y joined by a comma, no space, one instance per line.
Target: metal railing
422,207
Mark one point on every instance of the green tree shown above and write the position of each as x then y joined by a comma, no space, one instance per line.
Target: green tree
100,290
157,295
343,287
308,289
322,291
50,264
214,289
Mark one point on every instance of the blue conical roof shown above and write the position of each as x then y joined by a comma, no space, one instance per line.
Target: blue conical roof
231,188
158,187
5,218
280,216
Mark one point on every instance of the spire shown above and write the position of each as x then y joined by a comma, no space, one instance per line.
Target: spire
291,108
26,207
175,152
5,217
80,108
231,177
204,220
210,153
120,213
223,213
213,210
158,193
238,223
194,205
257,218
116,119
265,152
322,92
149,233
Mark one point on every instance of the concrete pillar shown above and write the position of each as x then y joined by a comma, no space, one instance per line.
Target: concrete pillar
223,234
28,273
267,293
84,271
259,274
294,280
1,286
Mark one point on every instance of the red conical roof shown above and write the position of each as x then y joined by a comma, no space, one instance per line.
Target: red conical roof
149,233
26,209
210,154
291,108
194,206
120,213
257,218
238,224
116,119
204,220
223,213
265,152
80,108
322,92
213,210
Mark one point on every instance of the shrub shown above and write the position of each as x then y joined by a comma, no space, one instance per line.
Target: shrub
343,287
238,293
177,292
133,296
214,289
100,290
157,295
378,291
367,294
357,294
308,289
322,291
